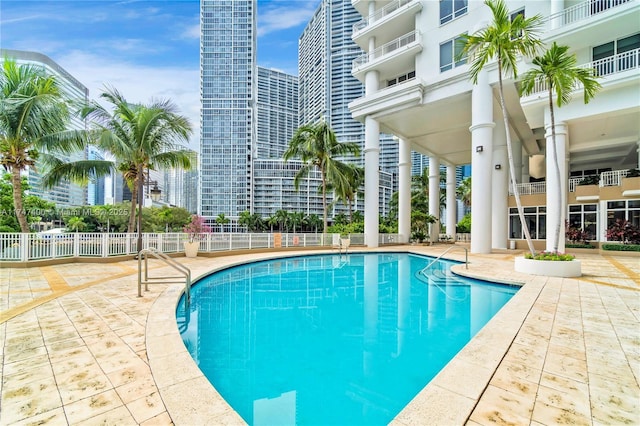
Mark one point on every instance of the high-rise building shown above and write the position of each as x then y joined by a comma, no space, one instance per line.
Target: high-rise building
228,118
325,56
65,193
96,185
419,90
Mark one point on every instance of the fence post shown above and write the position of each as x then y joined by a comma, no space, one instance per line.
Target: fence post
24,247
105,244
250,242
230,241
76,244
160,247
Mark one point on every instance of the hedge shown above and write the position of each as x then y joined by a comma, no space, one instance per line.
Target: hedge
621,247
584,246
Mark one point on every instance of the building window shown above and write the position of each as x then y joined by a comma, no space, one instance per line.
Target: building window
536,219
624,210
604,60
585,218
401,79
449,51
451,9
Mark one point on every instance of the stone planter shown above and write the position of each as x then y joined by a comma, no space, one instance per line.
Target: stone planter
631,186
549,268
191,249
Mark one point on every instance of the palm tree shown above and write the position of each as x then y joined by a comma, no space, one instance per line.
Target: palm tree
76,224
351,186
282,217
297,219
504,40
222,220
140,138
558,70
464,191
34,120
313,221
317,147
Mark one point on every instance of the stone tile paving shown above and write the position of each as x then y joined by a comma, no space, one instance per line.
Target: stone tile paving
78,347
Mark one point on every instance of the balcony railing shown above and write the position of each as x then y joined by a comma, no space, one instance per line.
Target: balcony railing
602,67
379,14
582,11
385,49
611,178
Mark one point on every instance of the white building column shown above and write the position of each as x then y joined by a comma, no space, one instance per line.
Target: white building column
404,190
451,202
481,164
371,181
516,147
434,197
556,186
500,188
557,6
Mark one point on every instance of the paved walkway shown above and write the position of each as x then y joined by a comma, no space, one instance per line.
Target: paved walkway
78,347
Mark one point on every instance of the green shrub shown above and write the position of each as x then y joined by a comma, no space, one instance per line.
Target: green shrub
464,226
621,247
546,255
585,246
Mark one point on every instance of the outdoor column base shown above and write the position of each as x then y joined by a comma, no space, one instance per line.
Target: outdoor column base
549,268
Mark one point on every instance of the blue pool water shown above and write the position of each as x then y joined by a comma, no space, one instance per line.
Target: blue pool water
331,339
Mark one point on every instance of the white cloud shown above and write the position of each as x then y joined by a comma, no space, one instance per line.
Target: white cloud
139,84
289,15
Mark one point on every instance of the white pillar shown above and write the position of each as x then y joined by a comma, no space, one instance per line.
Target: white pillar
556,7
556,186
481,164
404,303
451,202
404,190
499,188
371,181
434,197
516,146
525,168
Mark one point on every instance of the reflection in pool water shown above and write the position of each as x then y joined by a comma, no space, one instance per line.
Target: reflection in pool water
332,339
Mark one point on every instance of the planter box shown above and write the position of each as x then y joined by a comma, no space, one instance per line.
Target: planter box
549,268
631,186
587,192
191,249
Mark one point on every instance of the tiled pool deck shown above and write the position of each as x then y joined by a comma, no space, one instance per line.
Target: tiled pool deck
78,347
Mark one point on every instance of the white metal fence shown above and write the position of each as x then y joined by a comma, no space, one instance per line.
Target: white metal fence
25,247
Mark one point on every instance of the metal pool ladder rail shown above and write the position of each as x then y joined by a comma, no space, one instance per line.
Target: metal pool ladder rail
185,272
466,258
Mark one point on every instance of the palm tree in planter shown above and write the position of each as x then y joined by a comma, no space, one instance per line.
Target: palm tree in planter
504,40
557,69
222,220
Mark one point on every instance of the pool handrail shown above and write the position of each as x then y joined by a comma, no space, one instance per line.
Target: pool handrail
186,272
466,258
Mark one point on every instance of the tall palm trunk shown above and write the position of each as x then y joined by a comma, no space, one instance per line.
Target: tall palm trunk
556,236
134,203
512,167
16,182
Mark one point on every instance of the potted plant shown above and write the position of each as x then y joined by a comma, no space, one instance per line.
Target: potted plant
195,231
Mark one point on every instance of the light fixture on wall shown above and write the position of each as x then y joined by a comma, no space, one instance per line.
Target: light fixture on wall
498,166
479,148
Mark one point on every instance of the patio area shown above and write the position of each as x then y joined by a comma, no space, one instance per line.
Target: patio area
79,347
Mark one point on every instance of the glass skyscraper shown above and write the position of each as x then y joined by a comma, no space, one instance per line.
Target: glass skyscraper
228,91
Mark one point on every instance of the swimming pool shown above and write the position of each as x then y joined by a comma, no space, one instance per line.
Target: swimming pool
330,339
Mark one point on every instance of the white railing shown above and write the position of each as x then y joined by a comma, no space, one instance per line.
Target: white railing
573,182
612,178
581,11
530,188
386,49
18,247
463,237
379,14
602,67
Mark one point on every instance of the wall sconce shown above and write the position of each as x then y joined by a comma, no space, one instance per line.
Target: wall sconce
498,166
479,148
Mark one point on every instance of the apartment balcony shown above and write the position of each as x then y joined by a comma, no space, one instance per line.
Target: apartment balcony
611,185
612,69
390,59
585,24
387,23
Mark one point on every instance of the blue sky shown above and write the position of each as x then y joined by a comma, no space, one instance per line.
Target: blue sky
145,48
